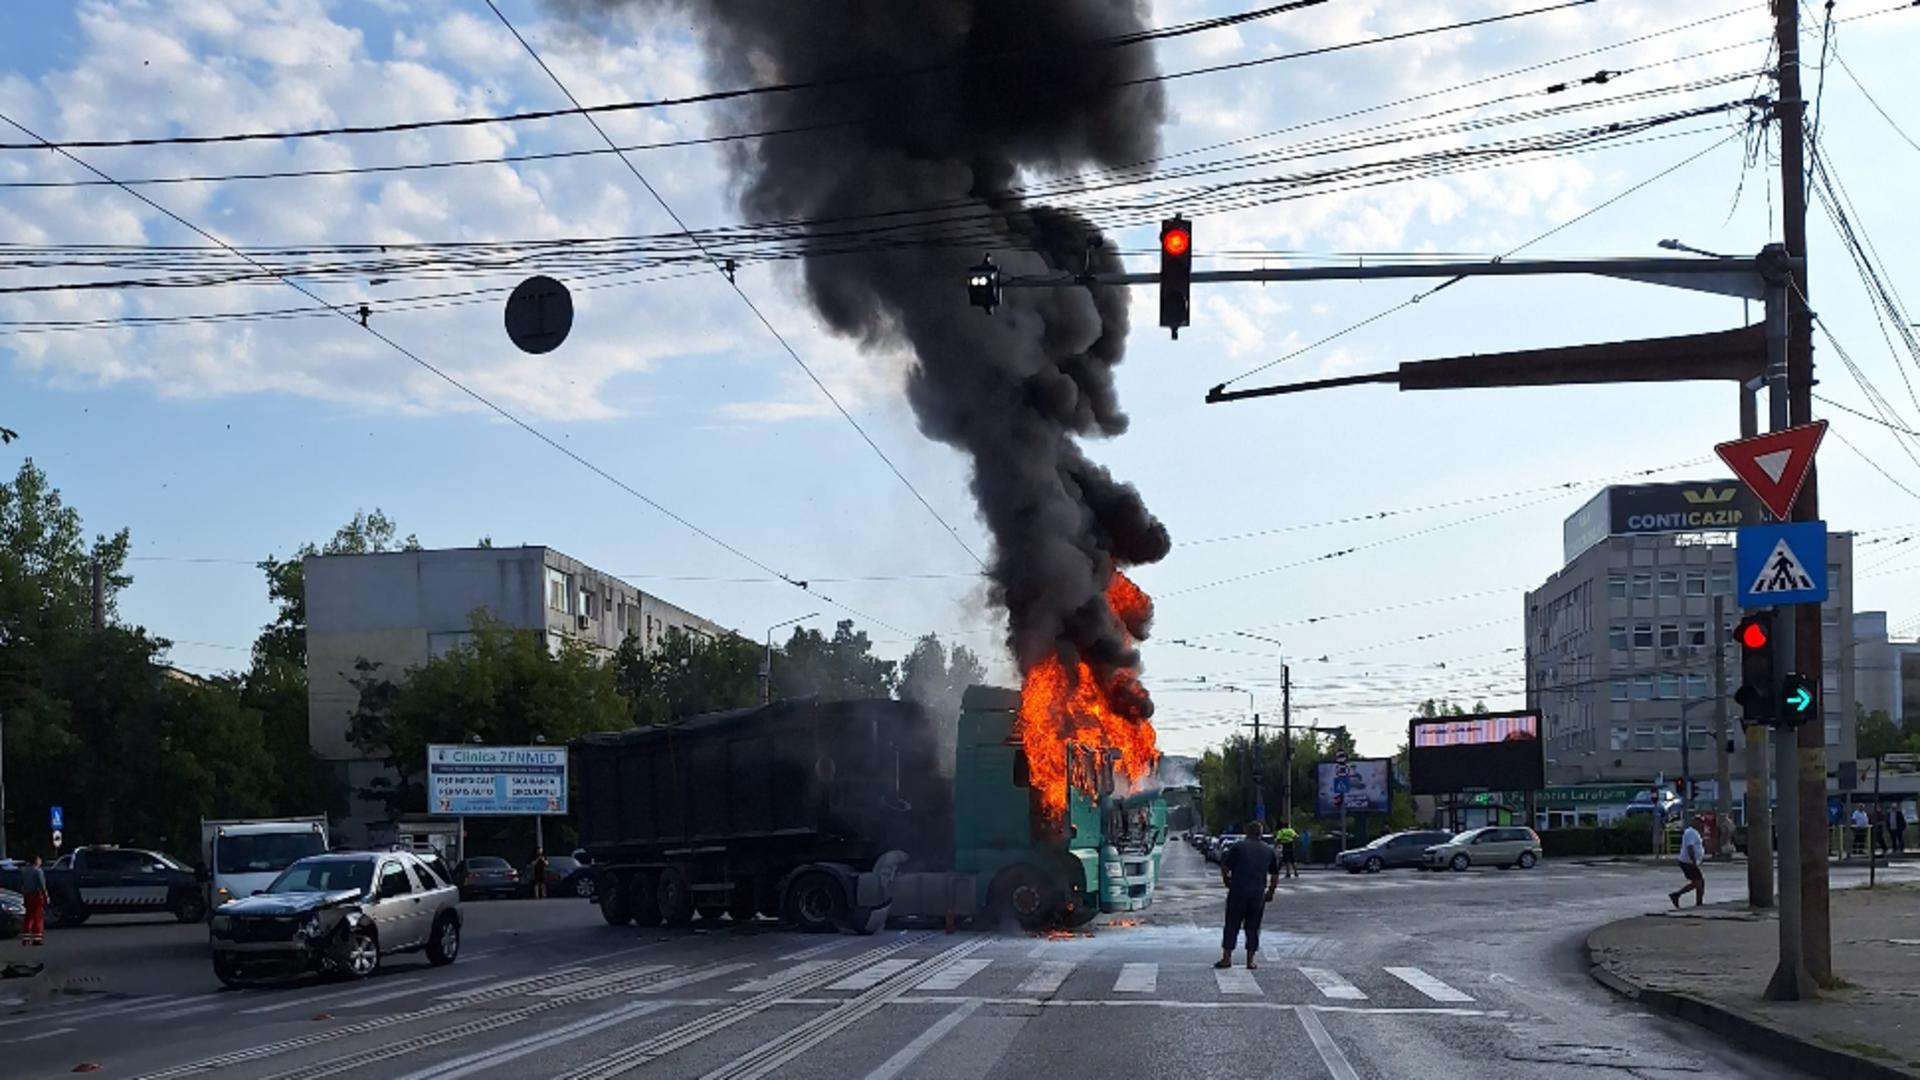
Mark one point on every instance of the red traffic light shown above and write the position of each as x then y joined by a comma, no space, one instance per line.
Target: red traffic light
1753,635
1176,241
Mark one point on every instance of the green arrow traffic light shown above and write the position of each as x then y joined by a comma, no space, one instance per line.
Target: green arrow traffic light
1797,695
1801,699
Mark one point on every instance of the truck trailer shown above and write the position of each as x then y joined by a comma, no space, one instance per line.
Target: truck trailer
845,815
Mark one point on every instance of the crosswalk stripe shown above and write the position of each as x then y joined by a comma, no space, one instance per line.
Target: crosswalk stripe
1235,981
1332,985
1427,984
956,974
869,977
784,975
1137,979
568,989
1047,977
303,1000
699,974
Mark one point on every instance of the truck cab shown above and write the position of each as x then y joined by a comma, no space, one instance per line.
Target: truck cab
244,857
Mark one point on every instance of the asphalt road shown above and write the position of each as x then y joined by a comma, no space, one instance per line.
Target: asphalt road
1397,975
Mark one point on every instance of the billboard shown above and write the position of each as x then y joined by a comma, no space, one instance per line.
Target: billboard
1497,752
476,780
1636,509
1366,788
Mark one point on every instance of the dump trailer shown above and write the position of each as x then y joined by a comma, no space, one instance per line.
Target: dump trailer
845,815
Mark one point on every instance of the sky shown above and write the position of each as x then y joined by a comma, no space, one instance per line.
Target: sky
221,442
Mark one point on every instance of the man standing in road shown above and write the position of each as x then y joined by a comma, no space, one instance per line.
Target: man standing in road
1692,853
1286,840
1859,821
538,872
33,888
1244,869
1897,825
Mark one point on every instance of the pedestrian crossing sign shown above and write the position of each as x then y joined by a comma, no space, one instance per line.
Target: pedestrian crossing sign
1782,564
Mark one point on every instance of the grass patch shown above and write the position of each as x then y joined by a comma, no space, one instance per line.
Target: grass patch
1864,1049
1833,982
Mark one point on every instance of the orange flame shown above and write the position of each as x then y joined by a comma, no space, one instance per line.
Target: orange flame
1058,706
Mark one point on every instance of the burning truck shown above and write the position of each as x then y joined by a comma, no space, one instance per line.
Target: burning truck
842,816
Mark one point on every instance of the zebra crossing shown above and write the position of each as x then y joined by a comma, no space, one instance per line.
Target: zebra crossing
1340,882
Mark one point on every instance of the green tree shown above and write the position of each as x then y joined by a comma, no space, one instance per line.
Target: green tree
836,668
937,678
687,675
1876,734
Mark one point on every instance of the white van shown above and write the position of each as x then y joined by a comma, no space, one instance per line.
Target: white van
244,857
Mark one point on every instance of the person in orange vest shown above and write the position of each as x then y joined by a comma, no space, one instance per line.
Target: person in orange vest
33,888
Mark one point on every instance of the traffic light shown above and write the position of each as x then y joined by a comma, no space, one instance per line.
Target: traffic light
1176,274
1756,694
983,285
1799,701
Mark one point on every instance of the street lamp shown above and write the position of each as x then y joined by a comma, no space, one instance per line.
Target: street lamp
766,665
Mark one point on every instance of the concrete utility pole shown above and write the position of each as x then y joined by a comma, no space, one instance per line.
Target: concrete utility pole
1722,767
1810,770
1759,793
766,664
1286,749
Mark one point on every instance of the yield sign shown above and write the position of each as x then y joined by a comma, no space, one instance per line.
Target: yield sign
1774,465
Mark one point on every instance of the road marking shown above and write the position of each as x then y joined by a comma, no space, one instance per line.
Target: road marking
784,975
314,999
1168,1003
1332,985
1337,1064
1427,984
1046,978
79,1013
661,986
175,1014
622,975
1235,981
1039,950
390,995
1137,979
808,954
40,1035
874,975
911,1052
956,974
481,1060
509,984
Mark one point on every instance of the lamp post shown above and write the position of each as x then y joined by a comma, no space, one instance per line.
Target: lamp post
766,665
539,820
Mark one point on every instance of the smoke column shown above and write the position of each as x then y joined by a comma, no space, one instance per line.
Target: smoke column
1017,87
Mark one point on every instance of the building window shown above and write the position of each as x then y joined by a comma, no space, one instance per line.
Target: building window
1643,688
620,614
1617,690
1669,583
1643,586
1720,580
1620,737
1617,636
1616,586
1646,737
557,590
586,603
1669,688
1696,583
1643,635
1830,685
1697,632
1833,731
1669,635
1670,735
1696,687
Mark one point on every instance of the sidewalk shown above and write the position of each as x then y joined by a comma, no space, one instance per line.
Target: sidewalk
1710,965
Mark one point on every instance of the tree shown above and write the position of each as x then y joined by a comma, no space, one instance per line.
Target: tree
686,675
1876,734
286,637
835,669
936,678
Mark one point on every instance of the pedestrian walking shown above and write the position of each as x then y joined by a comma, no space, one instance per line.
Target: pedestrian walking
1288,841
538,872
1897,825
33,887
1859,821
1692,853
1244,868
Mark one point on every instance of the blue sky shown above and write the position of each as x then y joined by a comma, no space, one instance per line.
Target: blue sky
221,443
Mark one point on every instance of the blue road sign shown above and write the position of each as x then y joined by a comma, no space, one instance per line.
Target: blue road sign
1781,564
1341,785
59,818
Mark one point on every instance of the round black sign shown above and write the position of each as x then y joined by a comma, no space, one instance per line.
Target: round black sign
539,314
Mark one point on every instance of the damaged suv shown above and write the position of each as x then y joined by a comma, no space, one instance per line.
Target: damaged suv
338,914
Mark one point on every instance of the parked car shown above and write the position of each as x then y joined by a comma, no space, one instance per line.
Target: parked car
486,875
338,914
1221,844
1495,845
13,913
1392,850
565,877
102,879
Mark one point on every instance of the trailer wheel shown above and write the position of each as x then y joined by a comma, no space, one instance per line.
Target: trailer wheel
613,900
675,897
816,903
645,902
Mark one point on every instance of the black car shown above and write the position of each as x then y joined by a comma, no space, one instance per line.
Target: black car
565,877
13,913
104,879
1392,850
337,914
487,875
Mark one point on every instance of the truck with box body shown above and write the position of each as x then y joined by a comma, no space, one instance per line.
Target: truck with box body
847,814
244,856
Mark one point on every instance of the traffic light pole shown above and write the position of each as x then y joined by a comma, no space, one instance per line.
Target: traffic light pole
1759,792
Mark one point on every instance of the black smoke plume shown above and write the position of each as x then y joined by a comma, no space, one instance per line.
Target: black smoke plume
1001,89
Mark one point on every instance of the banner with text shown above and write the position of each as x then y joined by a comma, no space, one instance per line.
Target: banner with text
477,780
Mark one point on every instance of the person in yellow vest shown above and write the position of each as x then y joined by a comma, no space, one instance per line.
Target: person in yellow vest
1286,840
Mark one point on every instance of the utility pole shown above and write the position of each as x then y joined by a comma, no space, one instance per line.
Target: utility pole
1759,794
1809,769
1722,766
1286,749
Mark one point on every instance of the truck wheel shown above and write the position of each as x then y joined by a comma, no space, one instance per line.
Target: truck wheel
613,901
191,908
815,902
675,895
1023,896
644,891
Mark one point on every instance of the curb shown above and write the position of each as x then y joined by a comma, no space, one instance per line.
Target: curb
1749,1032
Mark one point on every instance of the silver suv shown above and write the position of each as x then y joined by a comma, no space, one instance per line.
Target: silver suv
338,914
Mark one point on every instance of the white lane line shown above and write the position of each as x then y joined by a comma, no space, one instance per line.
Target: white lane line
315,999
354,1003
869,977
783,976
1427,984
1047,977
1039,950
81,1014
531,1044
175,1014
922,1042
568,989
1137,979
700,974
40,1035
956,974
1336,1062
1332,985
508,984
808,954
1235,981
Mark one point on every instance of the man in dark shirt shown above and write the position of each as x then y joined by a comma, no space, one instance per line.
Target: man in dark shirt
1250,870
